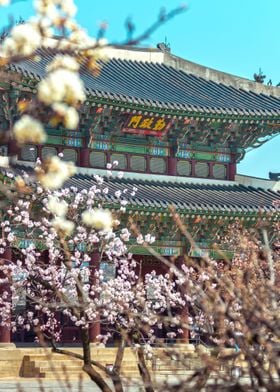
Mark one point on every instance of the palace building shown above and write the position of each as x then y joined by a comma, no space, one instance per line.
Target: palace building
177,130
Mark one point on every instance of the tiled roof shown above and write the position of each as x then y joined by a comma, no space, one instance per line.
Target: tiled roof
186,196
160,86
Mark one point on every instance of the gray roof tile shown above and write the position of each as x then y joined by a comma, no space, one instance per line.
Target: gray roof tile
186,196
162,86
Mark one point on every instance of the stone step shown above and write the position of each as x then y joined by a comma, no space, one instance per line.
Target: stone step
167,372
58,357
60,367
69,361
62,375
57,366
44,363
59,363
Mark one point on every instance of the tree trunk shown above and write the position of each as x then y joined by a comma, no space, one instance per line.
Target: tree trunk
144,372
93,374
117,367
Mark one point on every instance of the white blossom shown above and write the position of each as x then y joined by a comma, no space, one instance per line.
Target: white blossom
61,85
54,172
125,234
69,115
68,7
80,38
4,2
45,8
98,218
23,41
53,9
64,62
27,129
149,238
62,226
57,207
140,239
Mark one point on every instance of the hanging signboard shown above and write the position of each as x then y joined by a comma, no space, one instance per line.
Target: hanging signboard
147,125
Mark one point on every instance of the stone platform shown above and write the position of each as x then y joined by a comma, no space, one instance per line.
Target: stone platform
42,363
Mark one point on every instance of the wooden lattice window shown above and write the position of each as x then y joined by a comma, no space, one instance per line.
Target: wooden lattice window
97,159
29,153
201,169
70,154
121,159
138,163
219,171
48,152
184,168
158,165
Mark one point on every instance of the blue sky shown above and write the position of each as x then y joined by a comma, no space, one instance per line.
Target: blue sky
235,36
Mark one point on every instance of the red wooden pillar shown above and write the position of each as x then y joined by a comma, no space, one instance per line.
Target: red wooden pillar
94,328
84,157
231,171
211,164
5,331
192,162
13,149
172,166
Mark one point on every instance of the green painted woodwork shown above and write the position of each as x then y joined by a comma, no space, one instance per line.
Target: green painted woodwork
25,243
163,251
100,145
129,148
54,132
71,142
203,155
54,140
158,151
215,254
222,158
59,140
65,133
141,250
184,154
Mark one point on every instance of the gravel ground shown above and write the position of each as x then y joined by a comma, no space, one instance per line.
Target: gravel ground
31,385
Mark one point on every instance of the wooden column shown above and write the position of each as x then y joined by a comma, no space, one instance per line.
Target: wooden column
192,162
5,331
172,166
84,157
231,171
94,328
211,164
